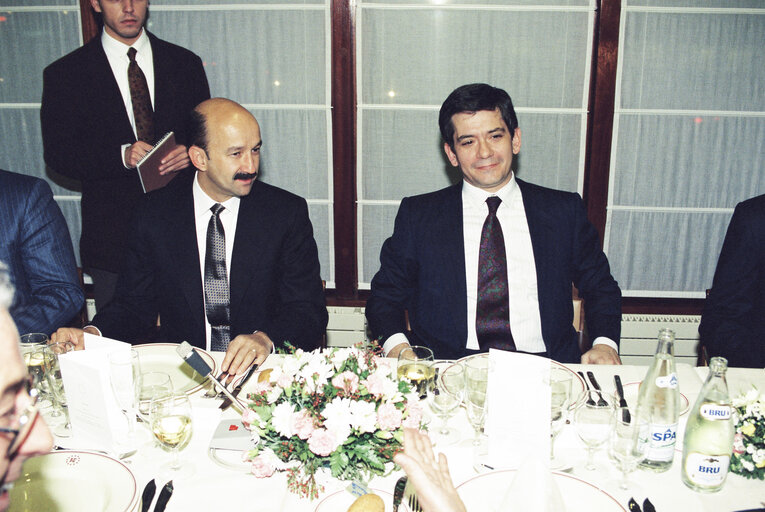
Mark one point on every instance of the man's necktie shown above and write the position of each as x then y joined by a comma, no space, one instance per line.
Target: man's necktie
139,96
493,310
216,282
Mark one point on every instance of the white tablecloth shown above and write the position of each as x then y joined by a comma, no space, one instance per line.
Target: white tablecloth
213,487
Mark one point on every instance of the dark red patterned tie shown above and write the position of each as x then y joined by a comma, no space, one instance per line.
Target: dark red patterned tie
139,96
492,323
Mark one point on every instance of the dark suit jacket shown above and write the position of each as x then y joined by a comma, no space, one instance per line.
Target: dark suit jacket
84,124
274,273
733,321
35,244
423,271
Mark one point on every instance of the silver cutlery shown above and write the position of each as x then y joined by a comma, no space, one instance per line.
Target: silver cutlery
648,506
634,507
622,402
148,495
164,497
227,401
601,401
398,492
212,392
411,498
590,401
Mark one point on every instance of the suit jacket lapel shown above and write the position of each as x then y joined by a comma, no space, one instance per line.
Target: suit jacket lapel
105,93
248,245
454,262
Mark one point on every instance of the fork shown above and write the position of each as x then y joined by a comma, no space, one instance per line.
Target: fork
411,498
213,392
590,401
601,401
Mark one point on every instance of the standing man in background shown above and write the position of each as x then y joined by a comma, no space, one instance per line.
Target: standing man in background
103,107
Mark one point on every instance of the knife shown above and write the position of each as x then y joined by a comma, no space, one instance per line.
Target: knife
626,417
227,401
148,495
634,507
398,492
164,497
648,506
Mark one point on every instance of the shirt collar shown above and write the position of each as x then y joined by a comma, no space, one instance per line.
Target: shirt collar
476,197
116,48
203,202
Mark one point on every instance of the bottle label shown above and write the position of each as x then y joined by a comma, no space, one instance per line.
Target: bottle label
661,442
667,381
714,412
706,470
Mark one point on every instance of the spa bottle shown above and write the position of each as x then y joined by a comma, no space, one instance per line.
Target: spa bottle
658,406
708,440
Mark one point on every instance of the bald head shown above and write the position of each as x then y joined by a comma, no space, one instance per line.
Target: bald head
225,148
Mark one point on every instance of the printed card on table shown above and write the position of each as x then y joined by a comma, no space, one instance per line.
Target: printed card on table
518,419
93,410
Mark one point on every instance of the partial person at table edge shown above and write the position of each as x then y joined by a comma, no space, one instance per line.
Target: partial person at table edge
733,320
467,285
36,245
228,262
23,433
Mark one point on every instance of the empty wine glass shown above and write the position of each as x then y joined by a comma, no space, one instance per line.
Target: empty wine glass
445,395
56,386
151,385
170,416
560,398
593,425
414,366
625,445
125,376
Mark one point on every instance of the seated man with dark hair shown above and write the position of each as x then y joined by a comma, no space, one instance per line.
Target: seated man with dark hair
35,243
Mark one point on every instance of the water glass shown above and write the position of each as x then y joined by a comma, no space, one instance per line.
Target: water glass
625,446
445,396
152,384
560,398
125,377
593,425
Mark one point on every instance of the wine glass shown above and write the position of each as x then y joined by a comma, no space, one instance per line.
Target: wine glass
560,398
31,346
125,377
414,366
151,385
593,425
445,395
170,417
56,385
625,445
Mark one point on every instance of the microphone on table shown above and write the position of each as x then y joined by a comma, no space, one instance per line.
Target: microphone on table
193,359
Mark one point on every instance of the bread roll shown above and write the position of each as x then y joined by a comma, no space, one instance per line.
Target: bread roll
368,503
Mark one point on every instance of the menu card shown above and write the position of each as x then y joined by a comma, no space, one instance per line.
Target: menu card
95,416
518,418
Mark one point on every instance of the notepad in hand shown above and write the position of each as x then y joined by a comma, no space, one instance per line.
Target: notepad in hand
148,166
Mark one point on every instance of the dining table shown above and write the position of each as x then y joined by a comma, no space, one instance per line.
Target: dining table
220,480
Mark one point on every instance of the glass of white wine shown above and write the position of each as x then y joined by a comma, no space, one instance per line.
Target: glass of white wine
445,395
31,346
56,386
415,367
170,416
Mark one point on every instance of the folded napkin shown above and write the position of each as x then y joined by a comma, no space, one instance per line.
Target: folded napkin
533,489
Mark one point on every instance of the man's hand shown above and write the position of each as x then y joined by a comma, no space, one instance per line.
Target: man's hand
175,160
244,350
134,153
395,351
74,336
601,354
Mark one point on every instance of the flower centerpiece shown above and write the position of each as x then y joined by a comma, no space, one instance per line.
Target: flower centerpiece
749,441
341,409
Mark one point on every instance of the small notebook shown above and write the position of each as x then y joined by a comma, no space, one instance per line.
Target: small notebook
148,166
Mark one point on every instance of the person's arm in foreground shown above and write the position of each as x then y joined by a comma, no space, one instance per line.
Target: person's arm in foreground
430,477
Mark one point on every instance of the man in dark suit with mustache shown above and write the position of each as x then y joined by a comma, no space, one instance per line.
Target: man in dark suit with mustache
91,131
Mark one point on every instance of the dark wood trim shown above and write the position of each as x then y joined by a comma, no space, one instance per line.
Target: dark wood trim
344,147
91,25
601,120
657,306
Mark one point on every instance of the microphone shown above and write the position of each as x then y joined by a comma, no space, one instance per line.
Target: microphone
193,359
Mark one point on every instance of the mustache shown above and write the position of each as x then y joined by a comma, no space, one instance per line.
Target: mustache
245,176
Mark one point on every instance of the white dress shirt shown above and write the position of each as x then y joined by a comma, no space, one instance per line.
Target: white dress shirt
202,215
116,54
525,319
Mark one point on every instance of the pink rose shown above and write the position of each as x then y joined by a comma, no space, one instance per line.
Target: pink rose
738,443
322,442
304,425
249,417
375,384
414,415
262,467
347,381
388,417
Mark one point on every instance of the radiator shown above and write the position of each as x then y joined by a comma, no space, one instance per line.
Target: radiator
640,336
346,327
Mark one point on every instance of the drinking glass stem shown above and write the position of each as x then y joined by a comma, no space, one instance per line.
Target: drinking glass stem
176,462
590,458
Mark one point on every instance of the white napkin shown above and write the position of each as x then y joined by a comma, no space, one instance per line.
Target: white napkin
533,489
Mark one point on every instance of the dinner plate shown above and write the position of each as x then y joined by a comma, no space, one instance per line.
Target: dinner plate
74,481
341,501
577,384
163,357
631,390
485,492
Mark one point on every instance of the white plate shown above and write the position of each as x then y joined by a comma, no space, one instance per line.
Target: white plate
631,390
163,357
485,491
73,481
577,384
341,501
